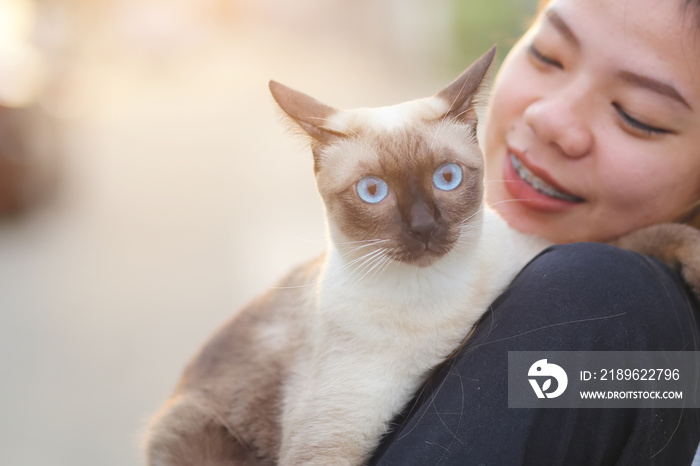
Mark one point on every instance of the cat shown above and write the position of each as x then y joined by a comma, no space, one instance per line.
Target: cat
313,371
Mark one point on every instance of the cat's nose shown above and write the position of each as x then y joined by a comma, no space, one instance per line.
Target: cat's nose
422,222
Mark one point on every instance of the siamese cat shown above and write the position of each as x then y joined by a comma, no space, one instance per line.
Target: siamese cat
313,371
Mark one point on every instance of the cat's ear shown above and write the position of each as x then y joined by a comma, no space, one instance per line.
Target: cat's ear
461,93
307,112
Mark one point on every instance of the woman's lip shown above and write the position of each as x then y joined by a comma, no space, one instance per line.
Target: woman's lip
527,195
540,184
541,173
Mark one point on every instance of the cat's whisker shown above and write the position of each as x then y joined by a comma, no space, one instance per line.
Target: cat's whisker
366,259
299,304
369,261
499,180
469,229
467,219
341,245
483,249
367,243
293,287
505,201
351,252
385,265
350,264
362,241
468,223
368,266
470,238
470,219
467,239
296,307
378,267
356,276
362,244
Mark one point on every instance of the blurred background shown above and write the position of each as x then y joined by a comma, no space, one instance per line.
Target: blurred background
148,187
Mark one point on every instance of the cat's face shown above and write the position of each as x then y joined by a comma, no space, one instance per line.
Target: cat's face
403,182
410,192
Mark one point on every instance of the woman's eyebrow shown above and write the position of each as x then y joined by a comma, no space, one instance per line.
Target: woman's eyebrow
646,82
653,85
561,26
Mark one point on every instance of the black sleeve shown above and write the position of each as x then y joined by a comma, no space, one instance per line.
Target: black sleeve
578,297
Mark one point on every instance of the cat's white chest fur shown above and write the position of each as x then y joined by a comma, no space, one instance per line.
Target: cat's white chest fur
404,302
376,337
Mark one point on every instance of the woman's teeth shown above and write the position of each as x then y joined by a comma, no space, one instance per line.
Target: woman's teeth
538,184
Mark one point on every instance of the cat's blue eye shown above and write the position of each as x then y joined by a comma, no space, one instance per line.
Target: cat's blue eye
372,189
448,176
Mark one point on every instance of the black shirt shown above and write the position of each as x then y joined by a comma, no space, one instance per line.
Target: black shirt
578,297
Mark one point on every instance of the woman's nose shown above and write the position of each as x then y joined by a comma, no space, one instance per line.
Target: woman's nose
560,119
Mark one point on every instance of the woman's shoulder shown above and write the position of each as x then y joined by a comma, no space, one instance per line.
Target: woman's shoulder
593,296
593,259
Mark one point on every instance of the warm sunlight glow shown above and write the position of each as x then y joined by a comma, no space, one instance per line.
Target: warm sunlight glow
21,69
16,19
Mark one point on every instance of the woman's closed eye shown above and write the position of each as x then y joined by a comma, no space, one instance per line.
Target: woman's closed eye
636,125
543,59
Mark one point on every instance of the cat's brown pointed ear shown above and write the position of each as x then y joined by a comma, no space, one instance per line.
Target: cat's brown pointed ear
309,113
460,93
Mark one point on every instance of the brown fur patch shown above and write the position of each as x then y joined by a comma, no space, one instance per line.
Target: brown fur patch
226,408
675,244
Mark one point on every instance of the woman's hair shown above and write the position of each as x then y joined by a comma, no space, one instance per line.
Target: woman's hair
693,7
694,217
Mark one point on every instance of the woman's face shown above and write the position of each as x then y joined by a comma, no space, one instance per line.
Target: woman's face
594,125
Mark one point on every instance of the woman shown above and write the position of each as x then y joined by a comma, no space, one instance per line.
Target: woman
593,131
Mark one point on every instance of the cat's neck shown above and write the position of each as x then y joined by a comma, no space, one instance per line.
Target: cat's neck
522,246
471,275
